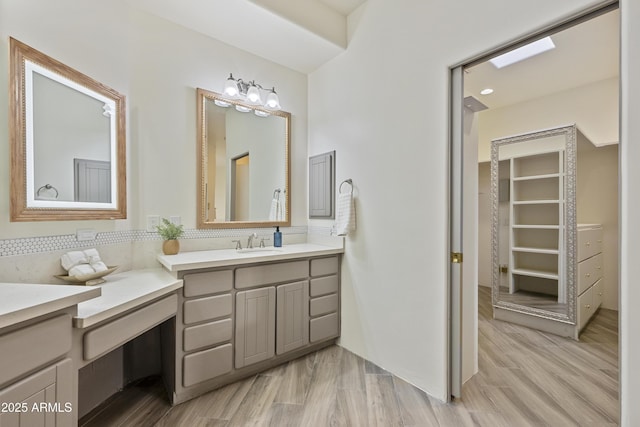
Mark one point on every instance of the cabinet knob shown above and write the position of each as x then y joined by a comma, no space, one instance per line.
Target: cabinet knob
588,244
599,294
588,306
588,274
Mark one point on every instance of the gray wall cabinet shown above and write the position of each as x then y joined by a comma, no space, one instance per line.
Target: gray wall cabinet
322,185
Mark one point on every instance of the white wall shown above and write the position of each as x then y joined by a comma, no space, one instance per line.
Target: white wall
629,213
158,66
593,107
382,105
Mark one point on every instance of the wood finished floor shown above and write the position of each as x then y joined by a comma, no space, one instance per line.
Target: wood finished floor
526,378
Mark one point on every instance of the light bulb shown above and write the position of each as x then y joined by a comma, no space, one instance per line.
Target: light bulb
243,109
253,95
231,87
273,102
261,113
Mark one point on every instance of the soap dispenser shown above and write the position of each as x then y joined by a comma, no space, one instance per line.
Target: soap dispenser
277,238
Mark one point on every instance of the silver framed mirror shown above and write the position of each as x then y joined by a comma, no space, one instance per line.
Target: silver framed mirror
533,231
243,164
67,137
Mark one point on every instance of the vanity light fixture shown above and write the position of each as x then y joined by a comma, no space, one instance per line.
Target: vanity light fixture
251,92
523,52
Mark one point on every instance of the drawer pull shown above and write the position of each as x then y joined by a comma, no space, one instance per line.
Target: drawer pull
588,244
598,268
599,241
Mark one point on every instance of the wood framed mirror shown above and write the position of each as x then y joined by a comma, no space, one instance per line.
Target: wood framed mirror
243,164
67,135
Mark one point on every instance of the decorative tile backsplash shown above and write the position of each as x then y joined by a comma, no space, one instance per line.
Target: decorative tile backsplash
33,245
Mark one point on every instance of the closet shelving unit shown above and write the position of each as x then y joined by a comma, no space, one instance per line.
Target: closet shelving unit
536,212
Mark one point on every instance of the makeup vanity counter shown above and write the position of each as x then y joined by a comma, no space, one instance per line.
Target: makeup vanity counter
243,312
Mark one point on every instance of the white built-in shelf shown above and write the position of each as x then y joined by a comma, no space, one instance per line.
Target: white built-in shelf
536,202
536,273
535,250
530,177
539,227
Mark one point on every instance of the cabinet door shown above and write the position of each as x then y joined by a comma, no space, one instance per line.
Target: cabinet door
293,316
43,399
255,325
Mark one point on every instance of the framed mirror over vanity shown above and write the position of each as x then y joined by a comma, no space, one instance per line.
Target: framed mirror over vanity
243,164
68,141
547,268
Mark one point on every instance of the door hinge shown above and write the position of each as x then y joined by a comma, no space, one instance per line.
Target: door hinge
456,257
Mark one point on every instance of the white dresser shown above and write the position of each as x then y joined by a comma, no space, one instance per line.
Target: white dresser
589,274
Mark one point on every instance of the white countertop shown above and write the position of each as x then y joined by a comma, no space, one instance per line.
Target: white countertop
123,292
226,257
24,301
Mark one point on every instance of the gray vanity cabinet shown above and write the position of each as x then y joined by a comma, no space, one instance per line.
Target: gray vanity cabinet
255,325
238,320
37,377
206,329
293,316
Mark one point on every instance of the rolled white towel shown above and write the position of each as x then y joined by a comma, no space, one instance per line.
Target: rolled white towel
99,266
81,270
92,256
73,258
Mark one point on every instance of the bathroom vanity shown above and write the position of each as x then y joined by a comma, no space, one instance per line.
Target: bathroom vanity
222,315
240,313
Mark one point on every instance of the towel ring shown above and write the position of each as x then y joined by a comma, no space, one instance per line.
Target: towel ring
346,181
47,187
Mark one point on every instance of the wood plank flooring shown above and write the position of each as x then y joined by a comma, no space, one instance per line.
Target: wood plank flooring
526,378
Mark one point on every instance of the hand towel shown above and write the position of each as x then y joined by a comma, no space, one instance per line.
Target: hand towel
92,256
81,270
99,266
346,214
73,258
282,209
273,211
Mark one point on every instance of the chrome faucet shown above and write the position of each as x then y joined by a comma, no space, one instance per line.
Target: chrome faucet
250,240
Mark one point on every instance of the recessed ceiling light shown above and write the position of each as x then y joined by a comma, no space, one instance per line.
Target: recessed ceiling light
524,52
487,91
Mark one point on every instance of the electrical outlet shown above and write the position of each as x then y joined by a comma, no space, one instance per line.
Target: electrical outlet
152,222
175,220
83,234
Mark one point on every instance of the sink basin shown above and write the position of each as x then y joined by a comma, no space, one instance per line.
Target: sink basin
261,251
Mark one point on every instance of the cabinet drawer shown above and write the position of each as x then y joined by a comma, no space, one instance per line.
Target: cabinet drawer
247,277
207,364
589,242
585,307
324,266
598,294
589,272
107,337
324,327
323,305
28,348
207,335
208,308
323,286
210,282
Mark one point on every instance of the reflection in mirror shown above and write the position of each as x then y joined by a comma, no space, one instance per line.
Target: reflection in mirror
67,140
533,209
243,164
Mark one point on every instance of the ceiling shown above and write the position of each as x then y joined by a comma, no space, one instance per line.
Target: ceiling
299,34
584,54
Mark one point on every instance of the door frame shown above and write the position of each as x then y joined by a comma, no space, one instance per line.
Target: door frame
457,229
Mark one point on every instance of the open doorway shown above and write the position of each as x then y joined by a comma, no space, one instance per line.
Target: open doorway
572,83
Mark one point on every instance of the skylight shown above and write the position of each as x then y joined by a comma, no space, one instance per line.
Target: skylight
522,53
